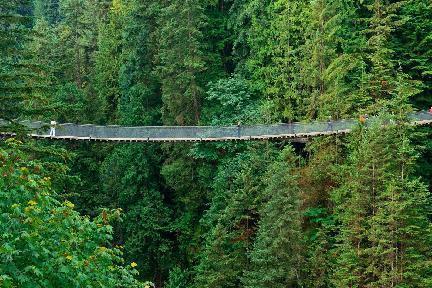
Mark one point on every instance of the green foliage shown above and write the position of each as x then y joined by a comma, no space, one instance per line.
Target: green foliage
337,212
276,258
23,85
275,38
177,278
217,41
180,60
129,183
413,46
317,180
140,99
108,60
48,10
45,243
383,210
231,220
230,101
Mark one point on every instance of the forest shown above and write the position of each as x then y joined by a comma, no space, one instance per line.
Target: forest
336,211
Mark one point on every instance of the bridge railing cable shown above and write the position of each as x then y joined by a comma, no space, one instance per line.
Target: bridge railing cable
199,133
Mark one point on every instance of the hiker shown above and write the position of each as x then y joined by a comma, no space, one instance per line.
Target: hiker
330,124
430,110
52,129
238,129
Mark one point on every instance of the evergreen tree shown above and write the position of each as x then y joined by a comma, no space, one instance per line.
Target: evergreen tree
413,47
77,40
318,178
130,174
79,30
276,257
139,102
180,61
331,60
275,37
231,220
217,41
23,82
108,60
382,208
413,52
49,10
383,78
130,182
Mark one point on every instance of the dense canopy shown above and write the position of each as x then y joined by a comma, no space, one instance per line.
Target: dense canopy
338,211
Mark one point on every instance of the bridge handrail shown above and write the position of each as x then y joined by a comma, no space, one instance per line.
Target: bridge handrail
198,133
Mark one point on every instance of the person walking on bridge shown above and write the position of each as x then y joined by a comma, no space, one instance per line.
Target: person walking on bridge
52,129
329,124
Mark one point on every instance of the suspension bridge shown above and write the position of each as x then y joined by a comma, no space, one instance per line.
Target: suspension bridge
295,132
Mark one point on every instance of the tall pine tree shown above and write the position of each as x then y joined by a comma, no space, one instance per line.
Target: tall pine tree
23,83
383,213
276,256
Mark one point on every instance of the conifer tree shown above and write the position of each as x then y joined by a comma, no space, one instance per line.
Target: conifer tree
49,10
274,39
218,41
108,60
413,52
413,46
383,211
331,60
78,39
130,182
130,173
23,83
276,256
318,178
139,102
232,218
180,61
78,31
382,78
179,67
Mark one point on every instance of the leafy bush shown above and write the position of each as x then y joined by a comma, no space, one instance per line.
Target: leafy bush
44,242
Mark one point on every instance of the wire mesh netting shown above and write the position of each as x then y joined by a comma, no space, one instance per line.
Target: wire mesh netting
197,133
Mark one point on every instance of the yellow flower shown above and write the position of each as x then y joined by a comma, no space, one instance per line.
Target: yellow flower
69,257
69,204
31,202
133,264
